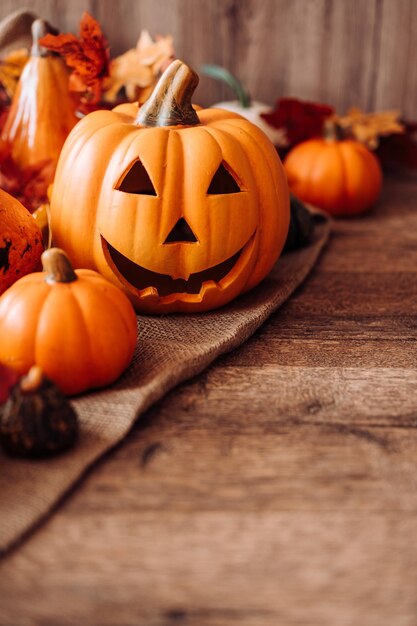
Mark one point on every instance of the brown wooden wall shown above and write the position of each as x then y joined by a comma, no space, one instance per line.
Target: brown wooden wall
344,52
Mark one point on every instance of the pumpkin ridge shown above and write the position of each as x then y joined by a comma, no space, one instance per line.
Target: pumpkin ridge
183,139
11,299
343,188
370,180
213,131
318,160
264,251
166,137
81,143
97,373
107,293
91,371
36,339
314,148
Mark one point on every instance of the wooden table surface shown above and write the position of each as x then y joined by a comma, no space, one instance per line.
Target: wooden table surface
278,488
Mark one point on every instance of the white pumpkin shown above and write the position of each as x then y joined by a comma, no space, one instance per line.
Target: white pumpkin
253,114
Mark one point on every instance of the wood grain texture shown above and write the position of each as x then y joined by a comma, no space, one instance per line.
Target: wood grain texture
357,53
279,487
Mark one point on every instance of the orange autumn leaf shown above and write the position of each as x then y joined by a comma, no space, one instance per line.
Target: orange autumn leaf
87,55
30,184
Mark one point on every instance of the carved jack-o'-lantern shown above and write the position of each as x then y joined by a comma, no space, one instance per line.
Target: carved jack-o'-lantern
184,210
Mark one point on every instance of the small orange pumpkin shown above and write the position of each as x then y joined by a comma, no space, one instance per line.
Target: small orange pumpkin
340,176
79,328
42,111
20,241
182,209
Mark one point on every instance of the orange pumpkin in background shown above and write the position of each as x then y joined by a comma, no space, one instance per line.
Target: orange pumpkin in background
183,210
340,176
42,111
20,241
79,328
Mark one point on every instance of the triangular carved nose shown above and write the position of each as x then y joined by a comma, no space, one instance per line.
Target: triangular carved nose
181,233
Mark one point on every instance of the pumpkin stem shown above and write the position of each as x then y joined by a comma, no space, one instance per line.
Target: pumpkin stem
170,102
33,380
40,28
332,131
57,266
221,73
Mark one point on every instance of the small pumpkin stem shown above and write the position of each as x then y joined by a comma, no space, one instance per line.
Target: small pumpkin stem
332,131
33,380
40,28
57,266
170,102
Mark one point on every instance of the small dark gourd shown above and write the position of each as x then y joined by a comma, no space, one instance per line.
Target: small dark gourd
37,419
301,225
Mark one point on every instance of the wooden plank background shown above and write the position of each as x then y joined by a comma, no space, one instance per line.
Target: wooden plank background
344,52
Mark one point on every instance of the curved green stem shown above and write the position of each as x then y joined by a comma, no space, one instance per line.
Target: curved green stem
220,73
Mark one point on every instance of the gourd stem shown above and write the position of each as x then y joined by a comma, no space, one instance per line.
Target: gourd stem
221,73
40,28
170,102
33,380
332,131
57,266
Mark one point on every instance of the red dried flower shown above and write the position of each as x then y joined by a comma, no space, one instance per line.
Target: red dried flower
300,120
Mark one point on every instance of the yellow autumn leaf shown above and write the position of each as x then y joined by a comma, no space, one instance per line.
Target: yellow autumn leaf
11,68
369,127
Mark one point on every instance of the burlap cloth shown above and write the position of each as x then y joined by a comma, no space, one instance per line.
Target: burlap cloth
170,350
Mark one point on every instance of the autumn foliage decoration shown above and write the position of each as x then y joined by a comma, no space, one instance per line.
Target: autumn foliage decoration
87,56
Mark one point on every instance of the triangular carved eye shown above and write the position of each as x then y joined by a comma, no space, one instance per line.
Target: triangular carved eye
137,181
223,182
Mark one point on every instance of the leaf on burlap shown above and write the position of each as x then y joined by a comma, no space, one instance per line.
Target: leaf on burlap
87,56
368,128
138,69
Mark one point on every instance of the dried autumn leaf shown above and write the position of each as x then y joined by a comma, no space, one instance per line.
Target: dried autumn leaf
42,218
11,68
299,119
369,127
399,151
137,70
87,55
29,185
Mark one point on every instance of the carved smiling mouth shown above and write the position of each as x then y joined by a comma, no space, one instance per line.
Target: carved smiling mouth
140,278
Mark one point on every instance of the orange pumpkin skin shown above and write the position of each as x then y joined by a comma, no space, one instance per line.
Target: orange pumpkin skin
42,112
20,241
91,217
341,177
81,333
